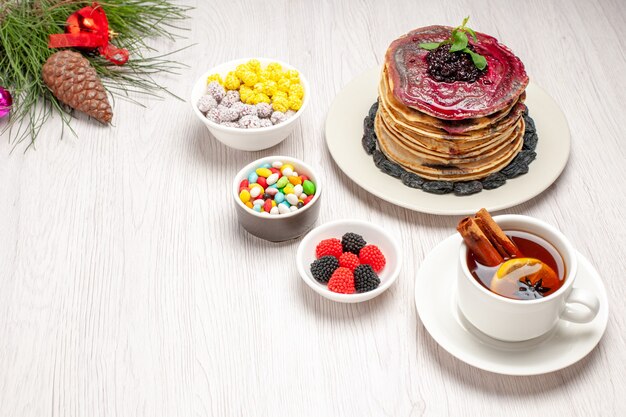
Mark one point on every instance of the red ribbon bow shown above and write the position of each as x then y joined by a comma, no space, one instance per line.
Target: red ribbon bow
89,28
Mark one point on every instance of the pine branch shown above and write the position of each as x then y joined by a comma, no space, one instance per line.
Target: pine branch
24,29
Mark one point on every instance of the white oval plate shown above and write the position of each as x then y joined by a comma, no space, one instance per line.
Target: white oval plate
344,130
437,307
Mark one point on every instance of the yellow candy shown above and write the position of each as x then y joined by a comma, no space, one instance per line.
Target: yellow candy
282,168
249,78
258,87
254,65
263,172
284,84
288,189
245,92
295,180
214,77
280,104
276,75
249,204
240,69
292,75
264,75
260,98
270,88
280,94
296,90
231,82
274,66
244,195
295,103
273,203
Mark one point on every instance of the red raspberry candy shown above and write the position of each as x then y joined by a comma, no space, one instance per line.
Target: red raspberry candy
262,182
349,260
371,255
330,247
342,281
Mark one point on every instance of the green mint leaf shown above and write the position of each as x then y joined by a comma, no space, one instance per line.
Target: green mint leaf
460,42
471,32
429,45
465,21
478,59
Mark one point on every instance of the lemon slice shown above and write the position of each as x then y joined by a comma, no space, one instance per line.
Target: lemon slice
524,278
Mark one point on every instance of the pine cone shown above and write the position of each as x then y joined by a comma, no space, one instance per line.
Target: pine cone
73,80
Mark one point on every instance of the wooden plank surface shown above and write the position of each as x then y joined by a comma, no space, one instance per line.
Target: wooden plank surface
128,289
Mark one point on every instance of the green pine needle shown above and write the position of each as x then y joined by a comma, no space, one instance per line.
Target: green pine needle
24,29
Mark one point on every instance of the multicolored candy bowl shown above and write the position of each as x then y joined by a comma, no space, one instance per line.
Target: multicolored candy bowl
277,227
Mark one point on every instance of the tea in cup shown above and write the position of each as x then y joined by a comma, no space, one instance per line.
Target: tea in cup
516,277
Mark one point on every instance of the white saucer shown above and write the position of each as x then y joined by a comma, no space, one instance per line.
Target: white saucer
344,130
437,307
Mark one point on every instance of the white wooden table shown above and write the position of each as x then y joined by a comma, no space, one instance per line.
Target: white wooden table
128,289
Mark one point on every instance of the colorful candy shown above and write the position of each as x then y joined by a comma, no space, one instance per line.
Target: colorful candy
276,188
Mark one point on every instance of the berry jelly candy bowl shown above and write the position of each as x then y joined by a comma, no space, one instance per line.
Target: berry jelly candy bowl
247,139
373,234
278,227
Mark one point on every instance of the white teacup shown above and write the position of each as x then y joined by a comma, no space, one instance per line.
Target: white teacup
516,320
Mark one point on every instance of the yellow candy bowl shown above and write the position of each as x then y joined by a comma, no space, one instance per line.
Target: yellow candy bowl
248,139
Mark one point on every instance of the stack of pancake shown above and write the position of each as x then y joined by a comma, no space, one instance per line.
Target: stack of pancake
444,148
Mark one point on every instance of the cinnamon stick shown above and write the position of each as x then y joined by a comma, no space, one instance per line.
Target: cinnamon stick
501,242
486,240
478,243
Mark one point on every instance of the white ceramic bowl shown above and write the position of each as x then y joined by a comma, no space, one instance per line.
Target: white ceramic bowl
247,139
372,234
281,227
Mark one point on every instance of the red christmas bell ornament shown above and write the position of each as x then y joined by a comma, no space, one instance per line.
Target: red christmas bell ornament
89,28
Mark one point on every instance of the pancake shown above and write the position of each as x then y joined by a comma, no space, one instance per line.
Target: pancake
451,170
499,88
450,131
449,149
445,128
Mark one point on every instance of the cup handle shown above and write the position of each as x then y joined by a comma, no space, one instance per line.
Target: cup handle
586,298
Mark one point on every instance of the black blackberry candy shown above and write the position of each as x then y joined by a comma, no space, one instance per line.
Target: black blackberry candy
365,279
322,269
351,242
